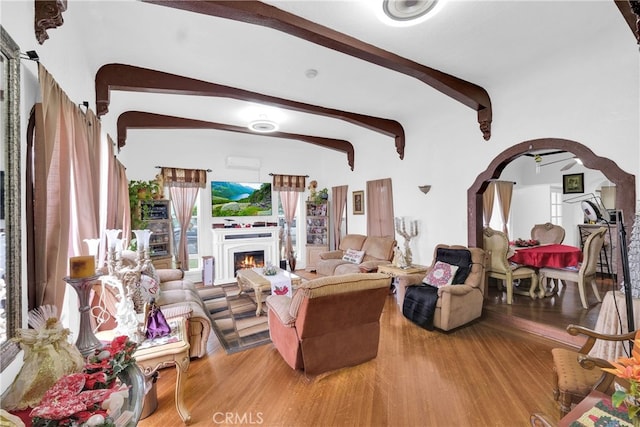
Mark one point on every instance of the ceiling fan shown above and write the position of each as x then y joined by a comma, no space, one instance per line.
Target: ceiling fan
572,162
537,157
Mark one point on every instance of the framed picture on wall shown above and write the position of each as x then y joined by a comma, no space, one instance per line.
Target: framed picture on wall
358,202
573,183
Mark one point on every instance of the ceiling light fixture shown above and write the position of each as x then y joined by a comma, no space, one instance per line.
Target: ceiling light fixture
263,125
408,12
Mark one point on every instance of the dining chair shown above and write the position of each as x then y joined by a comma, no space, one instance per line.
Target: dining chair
496,245
586,271
547,233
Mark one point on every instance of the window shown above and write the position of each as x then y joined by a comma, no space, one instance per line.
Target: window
556,206
192,235
294,228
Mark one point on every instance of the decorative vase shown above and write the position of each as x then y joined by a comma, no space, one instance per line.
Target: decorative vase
292,263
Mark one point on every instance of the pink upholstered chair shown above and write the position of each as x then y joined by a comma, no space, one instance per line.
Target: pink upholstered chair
330,323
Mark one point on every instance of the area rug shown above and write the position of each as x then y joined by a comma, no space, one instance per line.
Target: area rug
234,317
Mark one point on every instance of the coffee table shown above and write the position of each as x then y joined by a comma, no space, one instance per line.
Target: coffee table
249,279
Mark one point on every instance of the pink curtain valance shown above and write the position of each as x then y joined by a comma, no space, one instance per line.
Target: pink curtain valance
289,182
176,177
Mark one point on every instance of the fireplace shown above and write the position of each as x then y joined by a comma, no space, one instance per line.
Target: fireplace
247,259
231,245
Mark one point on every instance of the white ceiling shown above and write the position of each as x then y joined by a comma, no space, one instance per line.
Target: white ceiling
489,43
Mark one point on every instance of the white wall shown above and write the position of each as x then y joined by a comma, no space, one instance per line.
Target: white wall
589,95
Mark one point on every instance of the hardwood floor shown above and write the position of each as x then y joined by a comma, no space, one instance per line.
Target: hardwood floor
489,373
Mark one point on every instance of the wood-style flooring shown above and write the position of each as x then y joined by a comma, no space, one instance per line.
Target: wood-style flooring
488,373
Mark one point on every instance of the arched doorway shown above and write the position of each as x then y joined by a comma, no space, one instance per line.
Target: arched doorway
625,182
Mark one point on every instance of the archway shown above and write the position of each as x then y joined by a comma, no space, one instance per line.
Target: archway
625,182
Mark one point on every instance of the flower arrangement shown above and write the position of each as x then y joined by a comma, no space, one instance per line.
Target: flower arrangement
92,397
628,368
269,269
521,243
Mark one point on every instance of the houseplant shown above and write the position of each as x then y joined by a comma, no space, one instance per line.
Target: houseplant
141,191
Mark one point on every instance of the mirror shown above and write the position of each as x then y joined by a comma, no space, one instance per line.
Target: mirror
10,245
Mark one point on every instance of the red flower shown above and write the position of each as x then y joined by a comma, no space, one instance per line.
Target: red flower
95,380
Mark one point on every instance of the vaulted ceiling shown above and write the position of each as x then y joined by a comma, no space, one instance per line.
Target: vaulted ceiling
200,64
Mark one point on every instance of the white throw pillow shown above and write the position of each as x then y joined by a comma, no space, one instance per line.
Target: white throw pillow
353,256
441,274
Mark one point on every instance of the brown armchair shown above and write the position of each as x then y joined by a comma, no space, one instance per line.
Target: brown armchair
576,374
330,323
458,303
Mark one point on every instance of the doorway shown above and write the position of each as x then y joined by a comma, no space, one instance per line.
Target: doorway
625,183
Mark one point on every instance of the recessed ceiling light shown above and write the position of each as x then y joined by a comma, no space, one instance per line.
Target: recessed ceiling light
263,125
408,12
311,73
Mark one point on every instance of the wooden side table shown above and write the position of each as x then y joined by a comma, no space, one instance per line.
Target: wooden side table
153,355
394,271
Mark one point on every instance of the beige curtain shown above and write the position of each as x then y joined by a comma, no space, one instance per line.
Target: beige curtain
339,198
64,163
289,188
380,208
118,212
123,211
505,191
183,199
487,202
184,185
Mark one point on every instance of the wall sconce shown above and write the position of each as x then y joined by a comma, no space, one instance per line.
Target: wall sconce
424,188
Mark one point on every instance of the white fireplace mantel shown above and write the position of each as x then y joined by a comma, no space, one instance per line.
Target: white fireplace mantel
227,241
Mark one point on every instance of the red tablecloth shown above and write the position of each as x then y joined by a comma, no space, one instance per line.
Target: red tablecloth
554,256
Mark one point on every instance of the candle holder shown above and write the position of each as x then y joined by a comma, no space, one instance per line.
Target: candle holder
87,342
401,229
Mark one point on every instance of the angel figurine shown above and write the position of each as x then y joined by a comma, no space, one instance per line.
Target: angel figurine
48,356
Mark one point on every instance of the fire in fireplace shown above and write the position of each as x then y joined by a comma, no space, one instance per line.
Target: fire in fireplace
248,259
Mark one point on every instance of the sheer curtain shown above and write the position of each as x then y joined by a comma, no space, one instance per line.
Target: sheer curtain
339,198
487,202
66,199
505,191
184,185
289,188
380,208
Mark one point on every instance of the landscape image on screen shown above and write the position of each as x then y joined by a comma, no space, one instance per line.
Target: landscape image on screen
240,199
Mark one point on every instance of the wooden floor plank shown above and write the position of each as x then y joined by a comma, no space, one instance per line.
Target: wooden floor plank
484,374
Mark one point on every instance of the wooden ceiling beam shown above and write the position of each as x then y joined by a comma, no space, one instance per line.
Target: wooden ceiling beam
258,13
136,79
145,120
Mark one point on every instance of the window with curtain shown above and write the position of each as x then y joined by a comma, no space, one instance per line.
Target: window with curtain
290,188
184,186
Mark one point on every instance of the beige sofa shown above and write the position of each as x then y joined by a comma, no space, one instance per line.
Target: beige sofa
330,323
377,251
176,296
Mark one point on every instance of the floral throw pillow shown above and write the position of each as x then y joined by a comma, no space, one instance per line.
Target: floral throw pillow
441,274
353,256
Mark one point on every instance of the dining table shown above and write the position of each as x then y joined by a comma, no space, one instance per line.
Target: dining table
549,255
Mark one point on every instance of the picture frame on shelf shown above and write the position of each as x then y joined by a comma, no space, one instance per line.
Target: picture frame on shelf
358,202
573,183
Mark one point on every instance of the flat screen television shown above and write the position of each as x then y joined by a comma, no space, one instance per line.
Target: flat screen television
240,199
